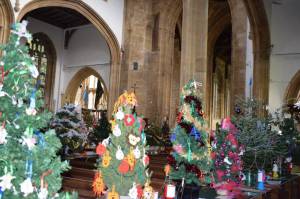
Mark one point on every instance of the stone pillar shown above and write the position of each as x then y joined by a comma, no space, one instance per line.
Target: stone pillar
194,43
237,71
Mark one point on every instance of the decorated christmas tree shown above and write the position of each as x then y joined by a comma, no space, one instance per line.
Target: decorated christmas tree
70,128
123,163
226,154
190,158
263,144
29,165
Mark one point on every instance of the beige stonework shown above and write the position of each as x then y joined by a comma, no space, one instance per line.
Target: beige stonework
6,18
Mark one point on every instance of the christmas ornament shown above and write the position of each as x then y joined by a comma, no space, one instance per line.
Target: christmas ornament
133,140
116,130
43,194
133,194
167,169
119,153
123,167
275,171
178,148
169,191
3,135
226,160
141,124
129,120
5,181
101,149
106,141
139,191
260,180
106,159
148,192
113,194
31,111
29,142
195,133
137,152
131,160
120,114
98,184
146,160
26,187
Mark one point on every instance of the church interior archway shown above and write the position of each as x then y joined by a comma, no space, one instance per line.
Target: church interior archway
6,18
292,93
84,15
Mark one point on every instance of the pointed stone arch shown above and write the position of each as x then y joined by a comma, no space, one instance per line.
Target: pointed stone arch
101,26
292,92
6,18
75,82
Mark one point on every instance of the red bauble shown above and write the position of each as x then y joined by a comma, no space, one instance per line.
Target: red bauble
213,155
146,159
139,191
123,167
129,120
100,150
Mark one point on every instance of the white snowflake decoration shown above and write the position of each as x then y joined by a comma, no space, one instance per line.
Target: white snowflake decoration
3,135
5,183
26,187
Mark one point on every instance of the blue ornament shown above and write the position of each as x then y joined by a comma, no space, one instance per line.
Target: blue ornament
1,193
173,137
40,138
143,136
29,168
195,133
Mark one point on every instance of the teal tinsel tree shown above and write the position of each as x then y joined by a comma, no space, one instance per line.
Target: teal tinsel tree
261,142
29,165
190,158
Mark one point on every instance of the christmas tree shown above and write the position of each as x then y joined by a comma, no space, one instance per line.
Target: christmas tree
262,143
123,162
102,129
70,128
190,158
226,154
29,166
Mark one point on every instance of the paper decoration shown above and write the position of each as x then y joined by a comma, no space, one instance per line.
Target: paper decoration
98,184
5,181
101,149
120,115
43,194
123,167
116,130
133,140
113,194
131,160
133,193
119,154
129,120
106,159
3,135
137,153
106,141
148,192
26,187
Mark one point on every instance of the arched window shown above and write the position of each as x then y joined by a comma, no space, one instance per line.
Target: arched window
42,49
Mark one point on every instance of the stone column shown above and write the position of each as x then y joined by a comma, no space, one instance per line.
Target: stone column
194,43
237,71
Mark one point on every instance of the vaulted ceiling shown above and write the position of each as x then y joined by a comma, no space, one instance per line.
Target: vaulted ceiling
59,16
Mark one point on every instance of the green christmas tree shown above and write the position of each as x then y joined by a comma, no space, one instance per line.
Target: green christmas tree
29,166
190,158
70,128
262,143
123,162
226,154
